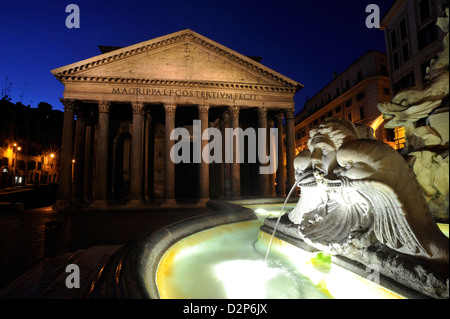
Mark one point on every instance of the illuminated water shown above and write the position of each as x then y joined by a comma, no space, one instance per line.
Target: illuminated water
227,262
269,210
278,219
443,228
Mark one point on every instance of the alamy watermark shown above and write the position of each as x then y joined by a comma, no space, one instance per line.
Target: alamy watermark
373,273
73,19
258,143
373,19
73,279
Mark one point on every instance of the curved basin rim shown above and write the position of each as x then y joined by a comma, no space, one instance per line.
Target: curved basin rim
143,256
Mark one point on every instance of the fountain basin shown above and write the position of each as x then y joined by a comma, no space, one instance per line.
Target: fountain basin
228,262
233,242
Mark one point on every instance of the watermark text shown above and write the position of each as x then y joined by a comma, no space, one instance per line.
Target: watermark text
73,19
258,143
373,19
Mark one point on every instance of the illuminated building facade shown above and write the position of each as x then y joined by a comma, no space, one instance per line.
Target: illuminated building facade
412,40
353,94
128,100
30,140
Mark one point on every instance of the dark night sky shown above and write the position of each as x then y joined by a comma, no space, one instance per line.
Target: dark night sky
303,40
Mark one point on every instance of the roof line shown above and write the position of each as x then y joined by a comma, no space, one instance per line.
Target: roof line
347,68
98,60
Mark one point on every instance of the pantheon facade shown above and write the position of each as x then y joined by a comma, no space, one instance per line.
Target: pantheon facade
121,106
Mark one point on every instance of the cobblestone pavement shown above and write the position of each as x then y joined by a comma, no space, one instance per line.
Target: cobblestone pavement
27,237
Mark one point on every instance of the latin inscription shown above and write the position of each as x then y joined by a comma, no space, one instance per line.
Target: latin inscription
184,93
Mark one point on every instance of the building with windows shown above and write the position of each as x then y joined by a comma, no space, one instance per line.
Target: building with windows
412,40
353,94
30,141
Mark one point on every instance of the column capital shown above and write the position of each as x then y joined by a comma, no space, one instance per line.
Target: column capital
262,109
262,113
138,107
203,110
289,114
69,104
170,108
234,111
104,106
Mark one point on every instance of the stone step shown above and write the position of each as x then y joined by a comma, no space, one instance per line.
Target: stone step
48,279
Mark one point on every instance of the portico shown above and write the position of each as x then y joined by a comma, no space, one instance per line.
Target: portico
121,106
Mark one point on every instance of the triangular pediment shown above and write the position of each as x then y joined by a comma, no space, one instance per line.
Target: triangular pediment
181,56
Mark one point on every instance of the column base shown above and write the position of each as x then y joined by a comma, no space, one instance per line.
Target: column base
265,195
62,204
77,201
135,202
171,202
99,203
203,201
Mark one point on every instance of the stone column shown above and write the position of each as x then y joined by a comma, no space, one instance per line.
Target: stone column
235,165
203,111
78,165
290,148
272,191
281,171
65,180
89,157
169,167
263,178
101,160
226,166
136,173
147,171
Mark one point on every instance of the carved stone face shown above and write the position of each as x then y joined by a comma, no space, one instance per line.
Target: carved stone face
323,157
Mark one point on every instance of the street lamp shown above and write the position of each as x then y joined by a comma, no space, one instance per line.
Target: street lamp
73,164
16,150
16,170
50,173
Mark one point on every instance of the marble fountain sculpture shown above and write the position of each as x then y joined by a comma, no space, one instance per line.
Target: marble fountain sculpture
360,199
425,117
